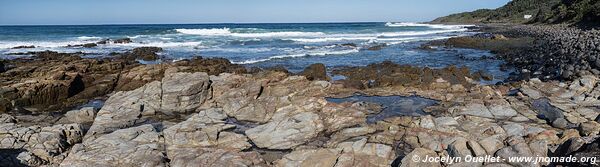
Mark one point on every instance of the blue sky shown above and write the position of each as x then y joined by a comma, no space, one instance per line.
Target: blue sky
26,12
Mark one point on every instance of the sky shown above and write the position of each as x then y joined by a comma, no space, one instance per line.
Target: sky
75,12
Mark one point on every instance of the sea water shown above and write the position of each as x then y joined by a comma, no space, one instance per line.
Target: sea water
291,45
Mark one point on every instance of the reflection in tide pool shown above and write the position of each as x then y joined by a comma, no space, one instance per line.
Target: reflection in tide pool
393,106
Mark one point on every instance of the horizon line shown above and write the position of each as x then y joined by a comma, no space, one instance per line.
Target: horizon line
206,23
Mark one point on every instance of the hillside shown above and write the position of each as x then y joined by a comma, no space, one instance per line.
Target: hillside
584,12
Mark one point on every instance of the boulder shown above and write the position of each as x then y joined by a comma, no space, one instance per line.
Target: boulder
315,72
136,146
289,128
37,145
184,92
146,53
125,109
205,129
122,41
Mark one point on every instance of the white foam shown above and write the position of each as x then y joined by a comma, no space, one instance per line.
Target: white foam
329,39
88,38
214,31
436,26
321,53
162,44
227,32
416,33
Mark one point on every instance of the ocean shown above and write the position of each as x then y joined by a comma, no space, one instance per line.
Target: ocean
291,45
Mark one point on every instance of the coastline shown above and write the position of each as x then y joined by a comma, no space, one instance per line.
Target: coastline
273,117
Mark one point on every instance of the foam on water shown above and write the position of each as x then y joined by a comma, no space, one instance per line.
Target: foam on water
318,53
228,32
87,38
435,26
417,33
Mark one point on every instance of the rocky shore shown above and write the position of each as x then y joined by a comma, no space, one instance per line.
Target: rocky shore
209,112
548,52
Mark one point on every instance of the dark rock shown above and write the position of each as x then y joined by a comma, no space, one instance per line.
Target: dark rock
352,45
122,41
547,111
90,45
212,66
2,67
578,148
24,47
103,42
376,47
388,73
316,71
354,84
143,53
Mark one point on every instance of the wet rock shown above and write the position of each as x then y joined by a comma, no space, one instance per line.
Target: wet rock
377,47
89,45
122,41
315,72
139,76
137,146
212,66
144,53
387,74
546,110
23,47
578,148
2,67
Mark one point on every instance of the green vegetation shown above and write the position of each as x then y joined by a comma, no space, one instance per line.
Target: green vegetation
542,11
583,12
